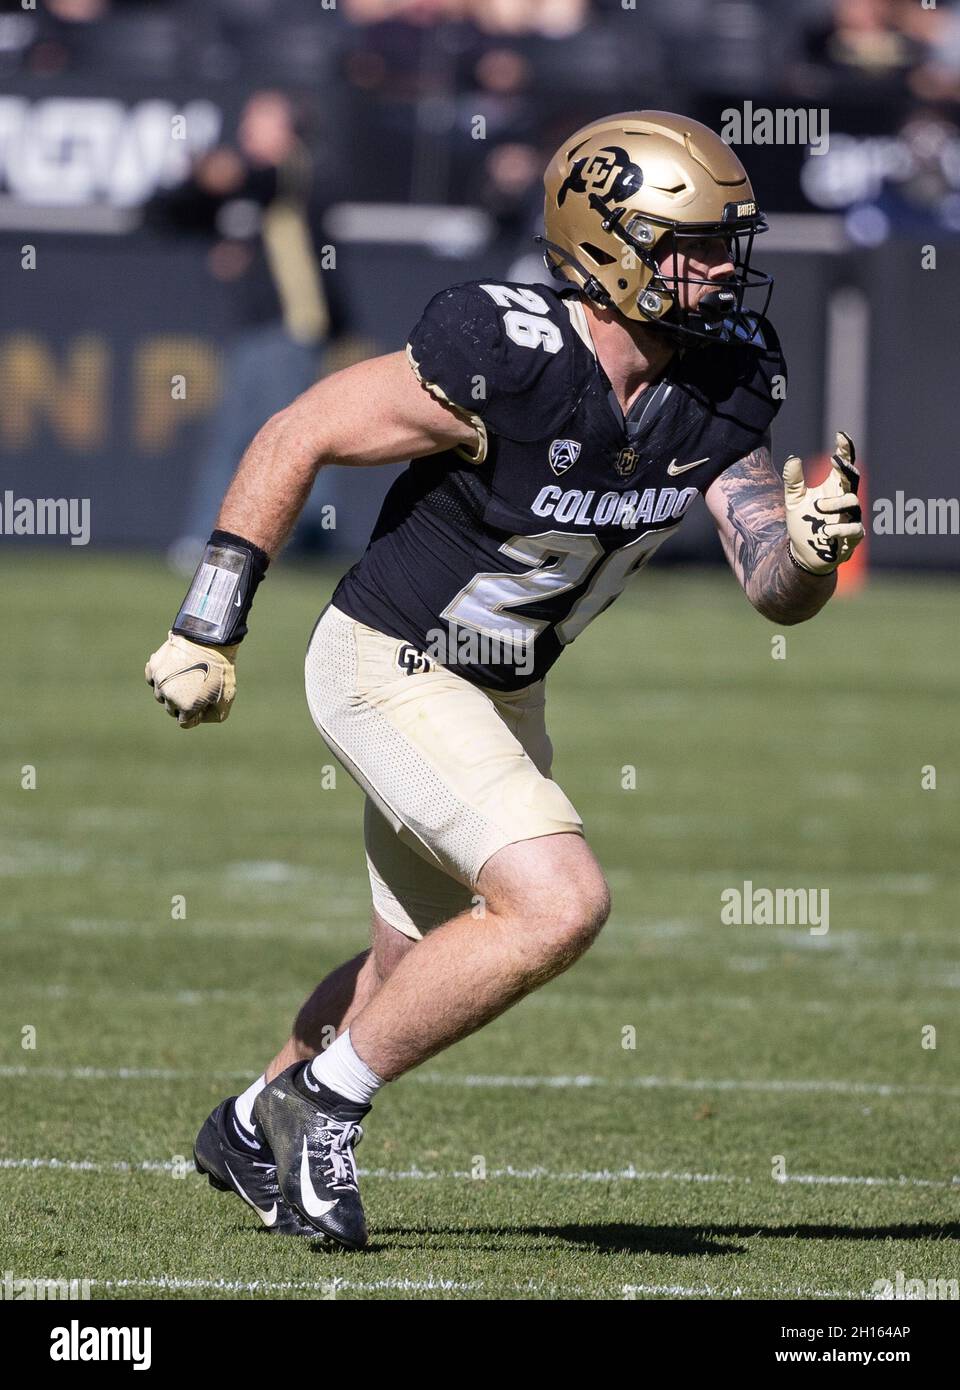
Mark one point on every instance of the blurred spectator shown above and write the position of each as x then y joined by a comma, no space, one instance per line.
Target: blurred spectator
922,198
118,36
937,78
77,11
553,18
550,18
435,82
66,35
862,45
257,205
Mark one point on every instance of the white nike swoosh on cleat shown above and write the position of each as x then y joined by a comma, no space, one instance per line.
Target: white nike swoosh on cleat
269,1218
673,468
311,1203
306,1076
244,1137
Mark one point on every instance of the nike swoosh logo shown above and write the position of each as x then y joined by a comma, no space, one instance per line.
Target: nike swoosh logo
269,1218
306,1077
236,603
244,1137
673,468
309,1200
200,666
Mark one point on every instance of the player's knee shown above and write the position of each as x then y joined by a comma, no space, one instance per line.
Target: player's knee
554,892
584,911
568,918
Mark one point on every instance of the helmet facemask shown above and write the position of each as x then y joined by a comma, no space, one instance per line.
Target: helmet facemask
720,316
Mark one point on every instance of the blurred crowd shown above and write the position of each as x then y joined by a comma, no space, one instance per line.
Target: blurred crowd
461,102
381,45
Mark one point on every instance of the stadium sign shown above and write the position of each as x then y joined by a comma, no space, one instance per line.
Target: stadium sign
76,151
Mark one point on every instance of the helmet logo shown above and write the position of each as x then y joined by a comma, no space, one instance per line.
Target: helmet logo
563,454
608,173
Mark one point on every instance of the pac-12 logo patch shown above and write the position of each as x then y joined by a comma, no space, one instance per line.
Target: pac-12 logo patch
563,455
412,661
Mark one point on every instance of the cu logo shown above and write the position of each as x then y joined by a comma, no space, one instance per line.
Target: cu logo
601,171
412,661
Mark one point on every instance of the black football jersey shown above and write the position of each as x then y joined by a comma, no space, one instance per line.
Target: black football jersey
491,566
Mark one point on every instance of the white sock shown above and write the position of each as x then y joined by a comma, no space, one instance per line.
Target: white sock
243,1105
339,1068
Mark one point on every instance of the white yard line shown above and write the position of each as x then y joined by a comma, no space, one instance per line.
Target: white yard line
495,1081
770,1290
165,998
535,1174
438,1285
163,1281
123,1074
92,1165
858,1088
543,1000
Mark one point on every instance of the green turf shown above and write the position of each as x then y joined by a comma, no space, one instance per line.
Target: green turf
652,1177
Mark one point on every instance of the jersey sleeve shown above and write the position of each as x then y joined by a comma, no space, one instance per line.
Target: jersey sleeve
508,364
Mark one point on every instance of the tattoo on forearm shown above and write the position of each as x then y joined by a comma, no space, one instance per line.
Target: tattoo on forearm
754,510
757,545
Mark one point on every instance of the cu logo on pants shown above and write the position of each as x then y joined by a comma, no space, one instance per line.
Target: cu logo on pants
412,661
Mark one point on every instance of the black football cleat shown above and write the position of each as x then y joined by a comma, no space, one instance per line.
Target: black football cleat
232,1164
313,1132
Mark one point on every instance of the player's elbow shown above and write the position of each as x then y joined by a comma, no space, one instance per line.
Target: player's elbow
787,609
781,616
295,435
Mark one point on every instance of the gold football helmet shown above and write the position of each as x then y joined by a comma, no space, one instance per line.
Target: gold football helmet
626,188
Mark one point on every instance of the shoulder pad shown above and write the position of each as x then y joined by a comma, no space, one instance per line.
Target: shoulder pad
505,352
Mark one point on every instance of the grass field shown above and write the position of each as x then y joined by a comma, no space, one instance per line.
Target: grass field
611,1171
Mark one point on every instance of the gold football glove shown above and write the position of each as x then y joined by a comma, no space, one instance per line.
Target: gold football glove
824,523
196,683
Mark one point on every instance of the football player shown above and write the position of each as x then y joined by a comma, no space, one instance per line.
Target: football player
558,436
